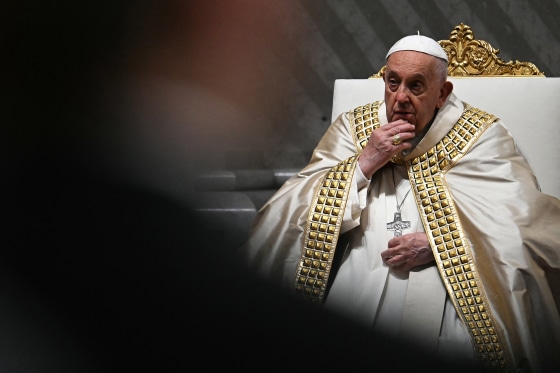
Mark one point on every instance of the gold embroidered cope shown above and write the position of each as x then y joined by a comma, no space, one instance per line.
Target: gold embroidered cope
438,214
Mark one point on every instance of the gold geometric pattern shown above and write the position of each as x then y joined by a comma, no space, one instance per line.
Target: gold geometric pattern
365,121
472,57
323,224
323,230
451,248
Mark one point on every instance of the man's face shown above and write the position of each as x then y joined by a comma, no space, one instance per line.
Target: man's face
412,88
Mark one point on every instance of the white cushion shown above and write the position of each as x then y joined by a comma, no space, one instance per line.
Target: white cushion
528,106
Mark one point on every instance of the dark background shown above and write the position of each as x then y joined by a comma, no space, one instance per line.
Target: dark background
111,110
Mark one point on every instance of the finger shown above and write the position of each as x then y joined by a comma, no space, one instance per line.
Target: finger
399,126
399,139
393,242
395,261
395,127
390,253
387,261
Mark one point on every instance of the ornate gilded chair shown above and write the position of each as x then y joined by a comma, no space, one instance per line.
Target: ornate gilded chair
517,92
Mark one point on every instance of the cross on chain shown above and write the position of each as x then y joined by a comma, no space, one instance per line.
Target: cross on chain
398,225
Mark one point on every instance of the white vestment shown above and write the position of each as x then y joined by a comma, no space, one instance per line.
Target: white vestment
408,305
509,240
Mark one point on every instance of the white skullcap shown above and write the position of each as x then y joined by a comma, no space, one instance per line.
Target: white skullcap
418,43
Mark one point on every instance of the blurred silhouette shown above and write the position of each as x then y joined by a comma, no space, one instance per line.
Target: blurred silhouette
110,108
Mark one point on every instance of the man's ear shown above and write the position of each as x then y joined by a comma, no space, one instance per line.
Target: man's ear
444,92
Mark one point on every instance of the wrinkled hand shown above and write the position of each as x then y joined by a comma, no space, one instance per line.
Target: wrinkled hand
408,251
380,148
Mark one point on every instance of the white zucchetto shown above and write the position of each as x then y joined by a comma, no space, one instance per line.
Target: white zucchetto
418,43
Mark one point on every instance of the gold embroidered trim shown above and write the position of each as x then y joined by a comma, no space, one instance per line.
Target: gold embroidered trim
326,212
365,121
451,249
322,231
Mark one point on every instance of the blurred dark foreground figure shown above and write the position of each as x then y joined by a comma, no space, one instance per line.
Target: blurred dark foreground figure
104,266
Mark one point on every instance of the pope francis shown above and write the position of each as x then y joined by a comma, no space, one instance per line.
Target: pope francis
418,217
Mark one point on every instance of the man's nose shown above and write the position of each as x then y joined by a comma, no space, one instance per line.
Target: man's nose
402,94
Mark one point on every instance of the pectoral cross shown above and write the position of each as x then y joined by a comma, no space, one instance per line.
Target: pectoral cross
398,225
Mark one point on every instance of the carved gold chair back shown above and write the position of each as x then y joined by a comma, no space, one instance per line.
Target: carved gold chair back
471,57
